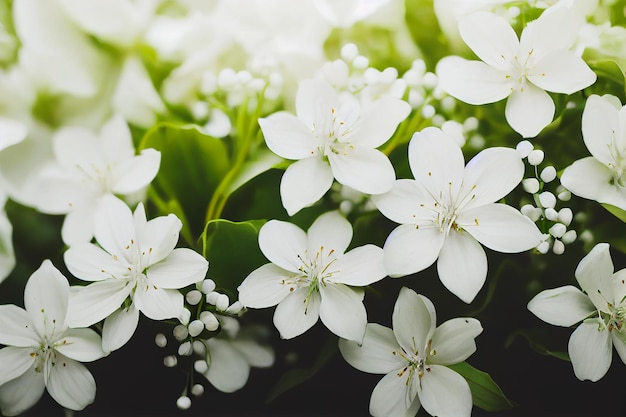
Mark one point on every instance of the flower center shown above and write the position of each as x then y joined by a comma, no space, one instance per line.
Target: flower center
333,131
447,207
618,164
416,363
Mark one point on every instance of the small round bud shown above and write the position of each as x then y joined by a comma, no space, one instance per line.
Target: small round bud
551,214
193,297
160,340
210,321
535,157
558,247
428,111
430,80
185,349
199,348
532,212
548,174
565,195
557,230
543,247
195,328
200,366
524,148
566,216
222,302
197,390
547,199
471,123
208,285
586,236
170,361
569,237
183,402
235,308
349,51
360,62
531,185
185,316
180,332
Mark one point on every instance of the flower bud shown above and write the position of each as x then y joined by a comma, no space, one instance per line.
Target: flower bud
535,157
558,247
558,230
193,297
160,340
180,332
531,185
548,174
565,216
183,402
547,199
524,148
569,237
551,214
195,328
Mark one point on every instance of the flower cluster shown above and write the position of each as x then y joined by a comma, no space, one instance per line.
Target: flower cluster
331,161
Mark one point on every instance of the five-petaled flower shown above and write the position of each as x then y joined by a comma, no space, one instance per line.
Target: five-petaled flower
414,356
449,208
601,308
332,137
134,266
522,70
602,176
311,277
41,351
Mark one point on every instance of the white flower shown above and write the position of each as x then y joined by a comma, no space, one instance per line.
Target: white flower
601,308
332,137
602,176
311,277
232,353
7,253
134,258
414,356
522,70
41,351
449,208
91,166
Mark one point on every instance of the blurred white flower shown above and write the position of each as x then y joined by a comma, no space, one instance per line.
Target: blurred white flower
41,351
449,208
311,276
134,258
522,70
601,307
332,137
602,176
414,356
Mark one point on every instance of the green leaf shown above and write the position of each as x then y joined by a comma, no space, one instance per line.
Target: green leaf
486,394
425,31
260,163
608,69
192,165
532,336
297,376
232,250
616,211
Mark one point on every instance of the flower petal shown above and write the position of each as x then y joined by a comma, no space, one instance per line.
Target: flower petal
228,370
408,249
501,228
360,267
132,175
590,350
590,179
315,97
454,341
18,395
403,203
118,328
96,301
600,123
490,37
462,266
15,361
594,273
620,345
556,29
529,110
414,319
304,183
16,328
563,306
158,303
83,345
562,72
445,393
71,384
330,231
156,237
45,298
379,121
259,356
376,354
389,398
90,263
342,311
265,286
283,243
491,175
182,267
472,82
114,229
296,314
78,225
288,136
366,170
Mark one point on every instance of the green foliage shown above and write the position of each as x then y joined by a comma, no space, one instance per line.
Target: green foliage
232,250
537,340
616,211
486,394
424,28
192,166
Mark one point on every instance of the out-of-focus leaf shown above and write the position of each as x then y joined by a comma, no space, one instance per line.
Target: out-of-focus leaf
616,211
232,250
192,166
424,28
533,337
486,394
